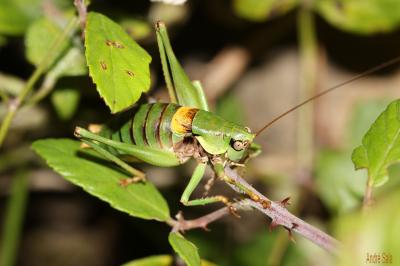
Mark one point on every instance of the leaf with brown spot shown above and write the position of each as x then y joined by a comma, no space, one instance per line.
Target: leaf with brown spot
106,42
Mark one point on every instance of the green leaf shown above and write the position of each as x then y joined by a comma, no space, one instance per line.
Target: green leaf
85,168
118,65
158,260
361,16
185,249
65,101
138,29
40,37
71,64
260,10
380,145
11,85
339,186
15,15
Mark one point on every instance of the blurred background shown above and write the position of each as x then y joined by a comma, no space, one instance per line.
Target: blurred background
255,59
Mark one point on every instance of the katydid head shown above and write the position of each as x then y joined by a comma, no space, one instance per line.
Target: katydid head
218,136
241,144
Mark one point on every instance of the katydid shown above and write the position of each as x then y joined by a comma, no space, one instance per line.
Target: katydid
169,134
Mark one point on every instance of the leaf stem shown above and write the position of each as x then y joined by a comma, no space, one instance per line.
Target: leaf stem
16,103
368,194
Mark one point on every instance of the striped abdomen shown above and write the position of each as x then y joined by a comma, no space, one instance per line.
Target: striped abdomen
152,125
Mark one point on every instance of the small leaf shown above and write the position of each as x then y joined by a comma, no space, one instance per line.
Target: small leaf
40,37
260,10
65,101
185,249
11,84
85,168
71,64
158,260
118,65
138,29
15,15
339,186
380,145
360,16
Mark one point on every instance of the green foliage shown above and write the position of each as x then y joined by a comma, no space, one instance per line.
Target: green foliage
15,15
118,65
380,146
186,249
356,16
71,64
340,187
158,260
364,114
85,168
137,28
40,37
360,16
65,102
372,232
260,10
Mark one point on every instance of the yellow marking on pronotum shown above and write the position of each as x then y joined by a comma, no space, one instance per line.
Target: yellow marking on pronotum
95,128
182,120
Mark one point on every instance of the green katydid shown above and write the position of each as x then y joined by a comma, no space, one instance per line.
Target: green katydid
169,134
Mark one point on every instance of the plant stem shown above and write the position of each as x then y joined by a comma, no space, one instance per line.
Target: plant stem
14,216
202,222
281,216
276,211
16,103
368,194
308,67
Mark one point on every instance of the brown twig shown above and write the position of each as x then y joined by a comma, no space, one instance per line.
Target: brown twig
82,13
281,216
180,224
276,211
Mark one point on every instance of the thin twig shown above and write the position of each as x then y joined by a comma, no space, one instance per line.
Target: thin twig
180,224
281,216
16,103
82,13
276,211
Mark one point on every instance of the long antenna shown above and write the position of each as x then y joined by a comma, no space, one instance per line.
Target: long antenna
322,93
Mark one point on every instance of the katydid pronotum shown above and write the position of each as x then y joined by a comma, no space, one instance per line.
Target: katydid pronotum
169,134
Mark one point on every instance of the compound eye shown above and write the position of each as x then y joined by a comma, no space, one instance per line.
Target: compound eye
238,145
